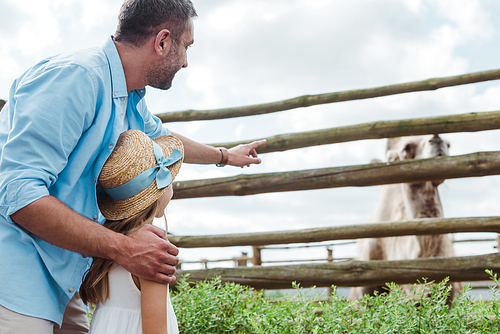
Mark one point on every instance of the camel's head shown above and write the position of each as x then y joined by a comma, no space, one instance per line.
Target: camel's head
432,146
416,147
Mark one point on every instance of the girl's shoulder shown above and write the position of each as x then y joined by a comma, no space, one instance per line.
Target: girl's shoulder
122,289
120,271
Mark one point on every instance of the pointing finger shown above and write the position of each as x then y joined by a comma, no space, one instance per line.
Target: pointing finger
255,144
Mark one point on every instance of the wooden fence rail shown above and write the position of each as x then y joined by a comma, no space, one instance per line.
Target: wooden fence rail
373,230
471,122
355,273
256,258
310,100
470,165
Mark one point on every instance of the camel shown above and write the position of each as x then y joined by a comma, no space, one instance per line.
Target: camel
407,201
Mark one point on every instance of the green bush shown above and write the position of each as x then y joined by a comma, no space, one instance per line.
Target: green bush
213,307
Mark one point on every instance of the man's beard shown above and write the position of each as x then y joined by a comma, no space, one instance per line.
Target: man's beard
162,74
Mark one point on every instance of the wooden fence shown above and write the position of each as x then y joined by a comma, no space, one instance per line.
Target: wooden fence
350,273
256,258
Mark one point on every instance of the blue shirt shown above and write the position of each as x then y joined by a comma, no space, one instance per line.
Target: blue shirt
61,122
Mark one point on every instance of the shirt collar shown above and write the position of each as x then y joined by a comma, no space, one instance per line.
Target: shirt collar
119,85
141,92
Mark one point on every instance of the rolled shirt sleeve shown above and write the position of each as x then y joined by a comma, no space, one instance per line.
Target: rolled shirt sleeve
43,130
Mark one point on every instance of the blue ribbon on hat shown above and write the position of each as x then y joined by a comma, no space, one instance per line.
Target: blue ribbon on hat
160,172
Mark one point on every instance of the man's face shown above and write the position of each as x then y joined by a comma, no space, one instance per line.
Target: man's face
162,73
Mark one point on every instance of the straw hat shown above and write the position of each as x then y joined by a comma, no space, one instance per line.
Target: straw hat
132,155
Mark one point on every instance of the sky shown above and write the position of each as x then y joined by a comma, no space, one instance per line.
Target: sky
250,52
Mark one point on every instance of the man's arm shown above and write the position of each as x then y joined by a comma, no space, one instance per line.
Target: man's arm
147,253
240,156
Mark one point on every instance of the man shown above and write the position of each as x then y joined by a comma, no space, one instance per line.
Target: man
59,125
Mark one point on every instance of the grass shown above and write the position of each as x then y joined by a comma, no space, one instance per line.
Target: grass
214,307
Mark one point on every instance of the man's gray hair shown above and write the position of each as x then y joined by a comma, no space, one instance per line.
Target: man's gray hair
139,19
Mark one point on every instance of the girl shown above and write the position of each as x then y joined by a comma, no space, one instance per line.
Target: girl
135,186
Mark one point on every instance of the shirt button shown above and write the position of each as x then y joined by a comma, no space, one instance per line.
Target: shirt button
70,290
95,217
115,94
121,115
110,146
122,98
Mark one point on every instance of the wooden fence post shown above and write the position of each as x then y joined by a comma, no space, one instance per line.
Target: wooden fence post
330,255
330,259
241,261
257,258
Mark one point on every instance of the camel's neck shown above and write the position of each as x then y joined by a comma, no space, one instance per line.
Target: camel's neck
421,200
434,245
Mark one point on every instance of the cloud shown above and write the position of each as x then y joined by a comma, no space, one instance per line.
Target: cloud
38,30
9,16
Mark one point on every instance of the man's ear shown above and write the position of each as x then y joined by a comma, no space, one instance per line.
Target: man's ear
163,42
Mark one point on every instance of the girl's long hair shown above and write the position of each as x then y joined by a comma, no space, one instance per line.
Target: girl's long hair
95,286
